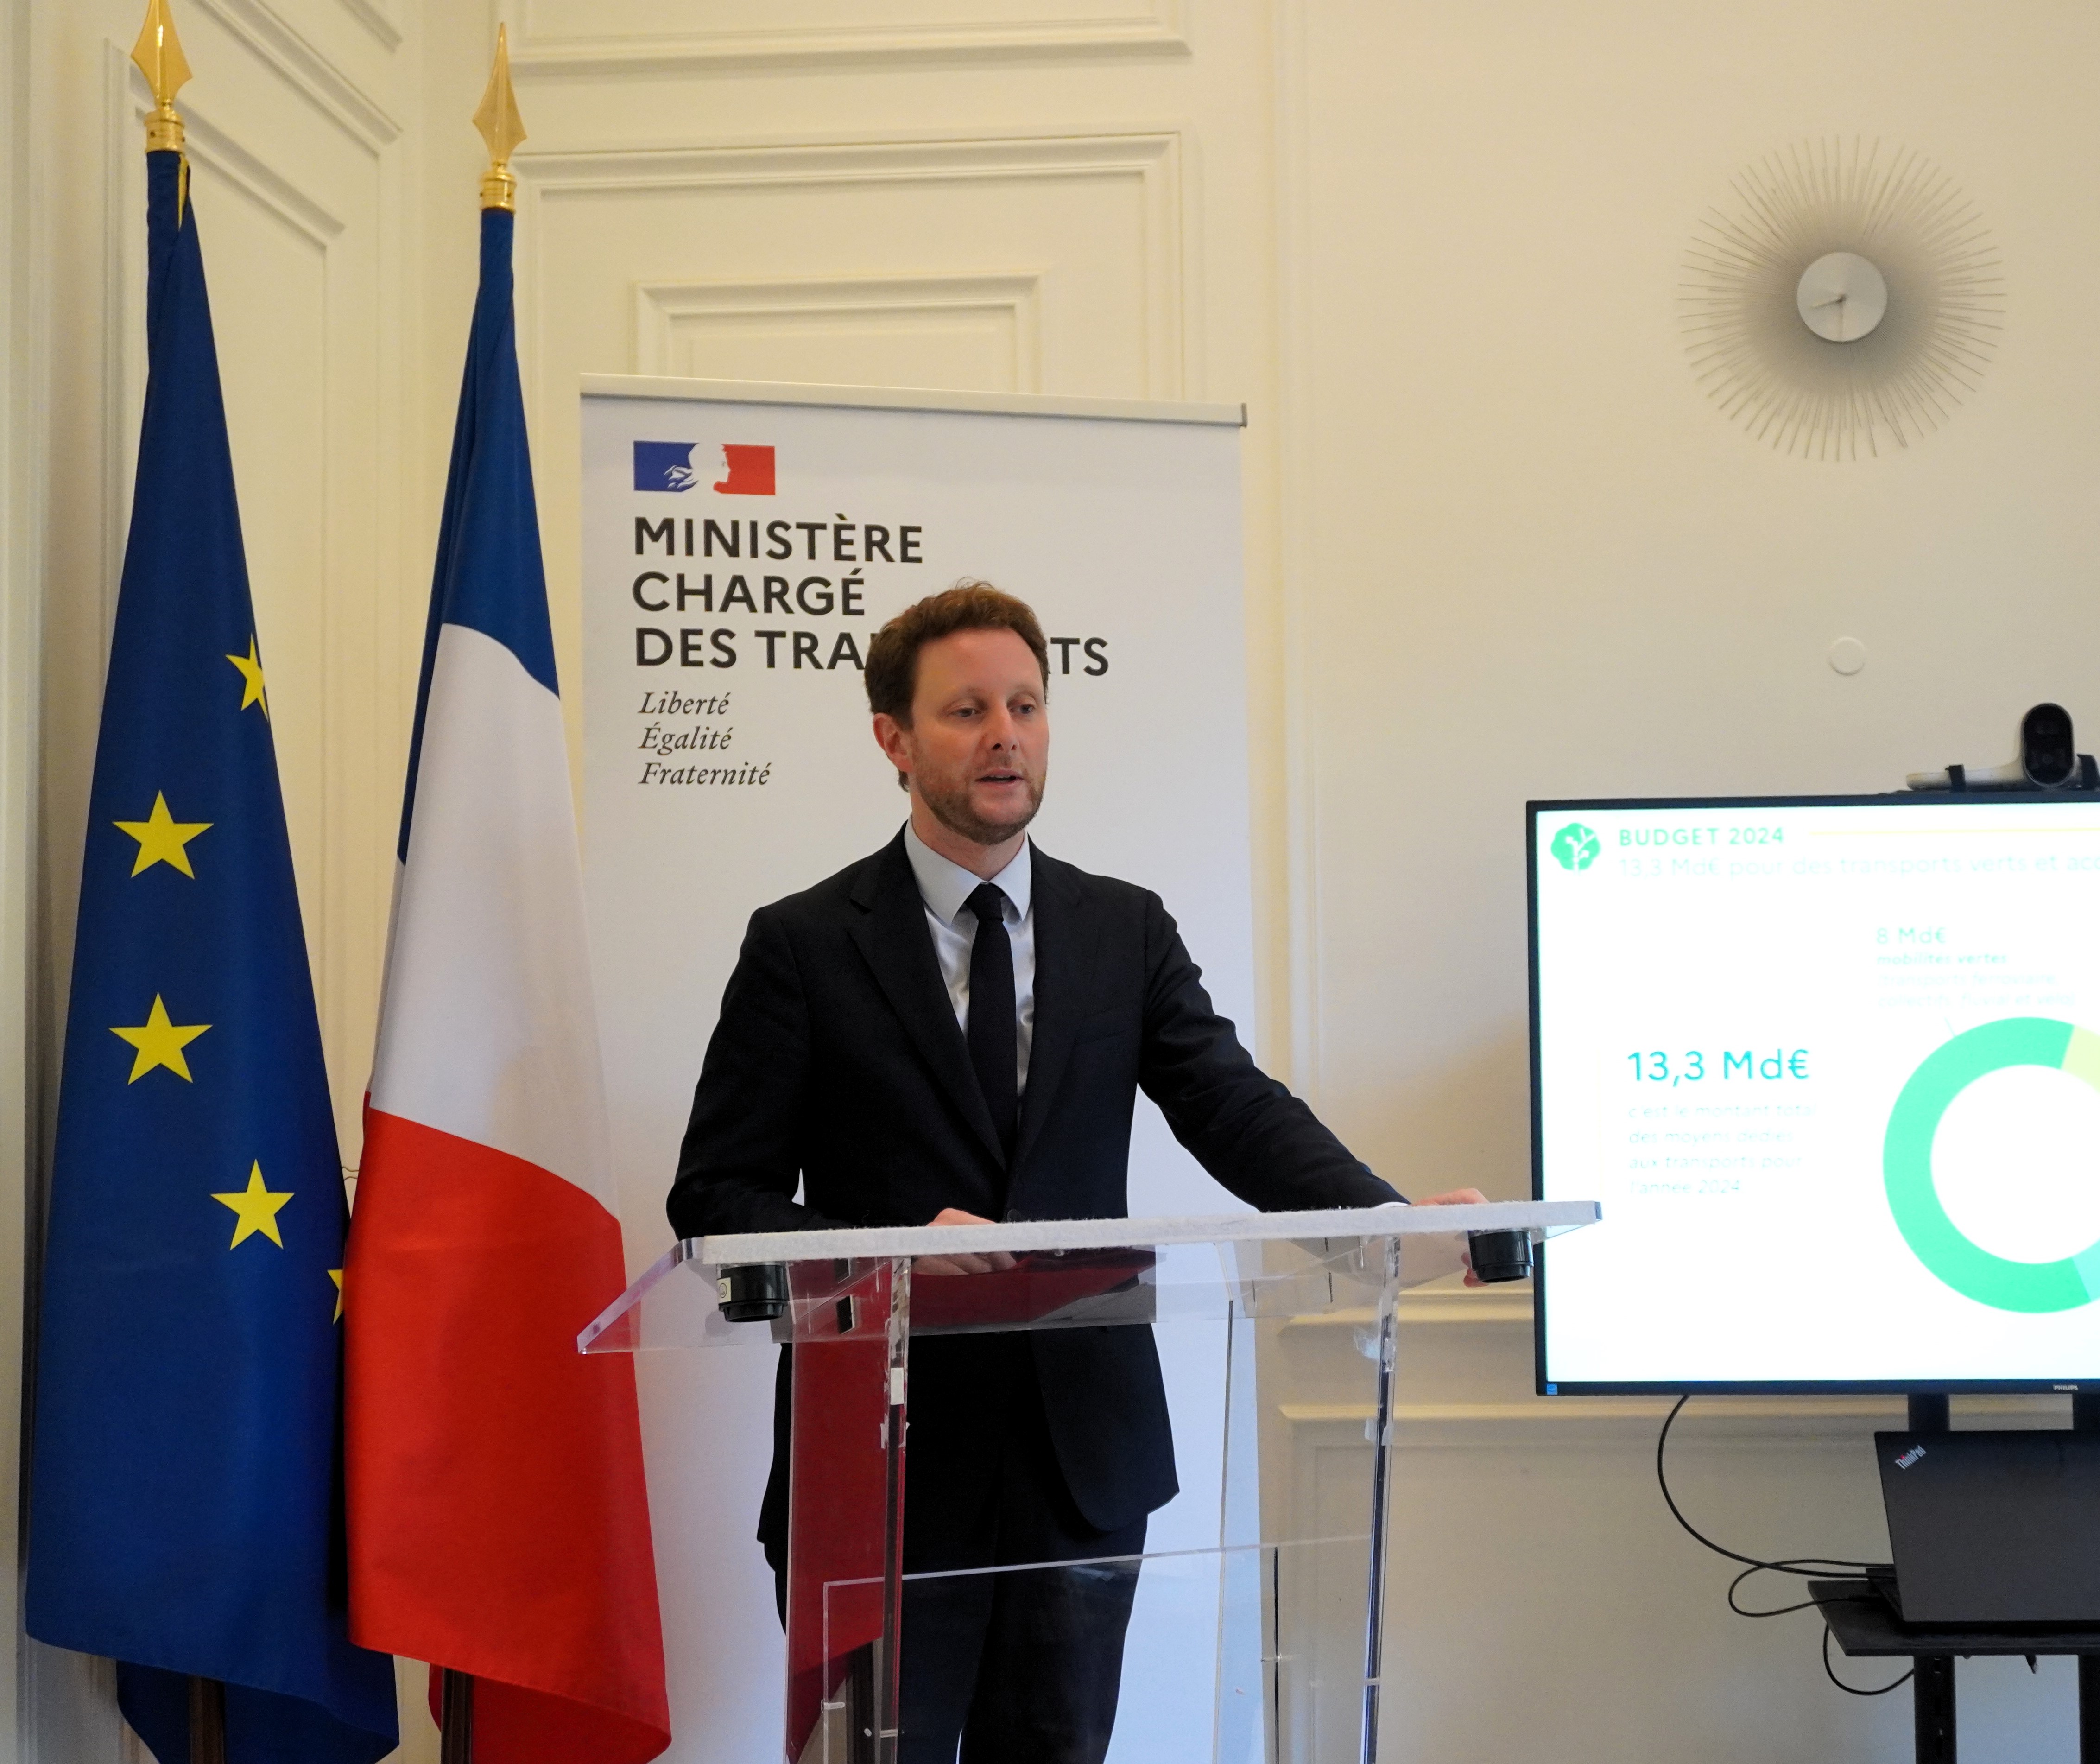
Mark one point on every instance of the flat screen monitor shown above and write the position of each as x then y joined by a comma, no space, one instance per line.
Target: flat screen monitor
1831,1065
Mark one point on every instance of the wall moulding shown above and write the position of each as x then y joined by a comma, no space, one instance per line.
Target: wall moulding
1620,1423
1630,1422
1497,1358
1012,304
1151,162
306,70
266,187
376,21
126,103
1154,156
544,50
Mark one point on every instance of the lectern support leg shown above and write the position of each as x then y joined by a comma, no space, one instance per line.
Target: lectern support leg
889,1655
1381,1453
2088,1708
1932,1699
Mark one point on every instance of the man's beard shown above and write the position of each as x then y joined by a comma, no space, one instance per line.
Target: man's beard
951,808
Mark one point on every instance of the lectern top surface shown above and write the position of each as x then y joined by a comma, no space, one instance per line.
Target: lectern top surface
1548,1217
1052,1274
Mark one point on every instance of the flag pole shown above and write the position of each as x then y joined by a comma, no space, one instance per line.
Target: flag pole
455,1718
207,1722
160,57
501,128
158,54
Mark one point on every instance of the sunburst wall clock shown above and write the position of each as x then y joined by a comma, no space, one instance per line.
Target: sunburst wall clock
1845,300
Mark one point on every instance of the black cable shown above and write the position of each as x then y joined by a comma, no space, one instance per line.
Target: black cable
1807,1567
1777,1611
1853,1690
1780,1611
1805,1604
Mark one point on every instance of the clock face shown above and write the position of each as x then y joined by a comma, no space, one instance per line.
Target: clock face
1842,297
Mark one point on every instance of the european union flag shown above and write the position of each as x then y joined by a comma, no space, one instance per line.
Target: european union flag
186,1510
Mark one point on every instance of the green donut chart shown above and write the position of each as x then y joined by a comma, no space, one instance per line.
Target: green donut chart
1906,1164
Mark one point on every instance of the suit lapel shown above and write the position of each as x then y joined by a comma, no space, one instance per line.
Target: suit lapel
1066,935
891,934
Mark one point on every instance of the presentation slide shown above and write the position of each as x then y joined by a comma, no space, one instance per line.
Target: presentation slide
1833,1071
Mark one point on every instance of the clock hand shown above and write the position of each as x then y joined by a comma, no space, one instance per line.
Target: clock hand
1836,299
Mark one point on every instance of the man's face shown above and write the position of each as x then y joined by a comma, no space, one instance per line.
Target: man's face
978,746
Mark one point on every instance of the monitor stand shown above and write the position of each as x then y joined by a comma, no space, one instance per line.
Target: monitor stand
1868,1627
1932,1675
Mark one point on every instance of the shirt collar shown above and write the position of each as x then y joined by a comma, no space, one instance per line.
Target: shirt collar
945,886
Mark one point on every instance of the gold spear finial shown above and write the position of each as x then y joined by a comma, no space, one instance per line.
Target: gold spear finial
501,126
159,53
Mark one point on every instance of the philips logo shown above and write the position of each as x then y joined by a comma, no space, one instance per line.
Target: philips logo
1910,1457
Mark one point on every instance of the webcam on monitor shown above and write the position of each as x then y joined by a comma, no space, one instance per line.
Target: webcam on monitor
2048,760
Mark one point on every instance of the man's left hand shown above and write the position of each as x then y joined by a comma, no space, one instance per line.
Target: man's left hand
1457,1197
1460,1197
997,1262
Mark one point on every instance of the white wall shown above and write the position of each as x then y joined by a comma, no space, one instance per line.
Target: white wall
20,608
1499,544
1526,558
1536,562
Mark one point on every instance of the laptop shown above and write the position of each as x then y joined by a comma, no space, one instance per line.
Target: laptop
1993,1527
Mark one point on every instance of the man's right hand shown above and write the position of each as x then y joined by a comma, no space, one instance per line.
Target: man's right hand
997,1262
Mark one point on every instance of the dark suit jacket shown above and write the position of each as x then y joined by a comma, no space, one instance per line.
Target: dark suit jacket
837,1061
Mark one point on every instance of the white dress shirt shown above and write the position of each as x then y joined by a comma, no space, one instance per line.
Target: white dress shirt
944,889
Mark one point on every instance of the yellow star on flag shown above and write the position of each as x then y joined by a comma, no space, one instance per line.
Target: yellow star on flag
160,1043
161,837
251,675
256,1208
335,1275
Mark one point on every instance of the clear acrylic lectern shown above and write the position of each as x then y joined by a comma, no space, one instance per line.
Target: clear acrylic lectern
1254,1636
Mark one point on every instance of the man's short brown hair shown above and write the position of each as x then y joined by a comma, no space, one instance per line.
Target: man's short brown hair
893,657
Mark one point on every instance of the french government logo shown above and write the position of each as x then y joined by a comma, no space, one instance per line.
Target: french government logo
668,466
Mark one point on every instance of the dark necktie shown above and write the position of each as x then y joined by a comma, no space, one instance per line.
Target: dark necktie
994,1032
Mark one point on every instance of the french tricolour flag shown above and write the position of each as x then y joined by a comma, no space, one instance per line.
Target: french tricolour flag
498,1520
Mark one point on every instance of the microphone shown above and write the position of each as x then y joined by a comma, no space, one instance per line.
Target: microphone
1499,1256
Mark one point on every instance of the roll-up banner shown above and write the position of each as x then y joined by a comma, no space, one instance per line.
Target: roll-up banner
741,544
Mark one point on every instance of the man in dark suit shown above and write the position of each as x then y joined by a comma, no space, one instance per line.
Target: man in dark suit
953,1031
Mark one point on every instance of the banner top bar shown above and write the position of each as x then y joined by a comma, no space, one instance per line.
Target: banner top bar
911,398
